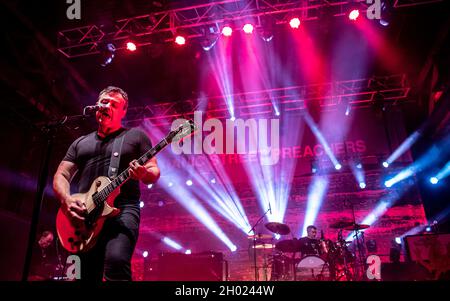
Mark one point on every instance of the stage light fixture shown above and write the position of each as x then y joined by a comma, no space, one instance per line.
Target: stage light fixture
294,23
227,31
189,183
385,164
362,185
141,204
434,180
338,166
131,46
180,40
145,254
354,14
107,54
248,28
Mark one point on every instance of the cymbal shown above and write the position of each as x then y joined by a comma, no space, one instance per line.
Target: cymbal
278,228
288,245
264,246
355,227
341,225
260,236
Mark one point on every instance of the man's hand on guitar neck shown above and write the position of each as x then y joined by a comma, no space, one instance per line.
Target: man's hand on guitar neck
74,209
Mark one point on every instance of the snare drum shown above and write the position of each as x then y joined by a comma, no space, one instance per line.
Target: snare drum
312,268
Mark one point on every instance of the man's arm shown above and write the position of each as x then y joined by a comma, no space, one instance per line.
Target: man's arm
148,173
74,209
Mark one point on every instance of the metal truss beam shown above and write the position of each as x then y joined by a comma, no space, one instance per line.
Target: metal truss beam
192,21
197,20
356,93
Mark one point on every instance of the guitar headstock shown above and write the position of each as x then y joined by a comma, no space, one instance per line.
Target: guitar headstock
183,130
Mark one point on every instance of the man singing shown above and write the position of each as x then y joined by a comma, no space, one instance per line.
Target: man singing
90,156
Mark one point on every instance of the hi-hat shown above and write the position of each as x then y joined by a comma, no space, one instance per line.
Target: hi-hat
341,225
260,236
278,228
355,227
264,246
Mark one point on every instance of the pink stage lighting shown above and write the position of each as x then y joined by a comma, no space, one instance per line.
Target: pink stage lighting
227,31
353,15
294,23
248,28
131,46
180,40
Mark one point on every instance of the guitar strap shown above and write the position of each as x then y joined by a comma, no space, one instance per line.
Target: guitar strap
115,157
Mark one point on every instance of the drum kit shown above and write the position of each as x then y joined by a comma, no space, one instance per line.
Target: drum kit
330,261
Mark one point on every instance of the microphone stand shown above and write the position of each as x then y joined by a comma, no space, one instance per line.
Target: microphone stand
49,130
254,242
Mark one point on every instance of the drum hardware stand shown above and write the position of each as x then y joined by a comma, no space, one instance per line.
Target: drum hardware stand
252,230
361,254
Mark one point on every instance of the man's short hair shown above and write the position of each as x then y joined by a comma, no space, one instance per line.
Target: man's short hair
47,233
113,89
311,227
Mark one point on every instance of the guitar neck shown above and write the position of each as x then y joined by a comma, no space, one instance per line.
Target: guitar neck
125,175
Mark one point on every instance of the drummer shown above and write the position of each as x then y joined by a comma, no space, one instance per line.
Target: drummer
309,245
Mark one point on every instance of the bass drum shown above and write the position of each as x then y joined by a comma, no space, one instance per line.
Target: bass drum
312,268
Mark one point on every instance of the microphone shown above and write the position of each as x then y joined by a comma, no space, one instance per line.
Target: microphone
270,209
94,108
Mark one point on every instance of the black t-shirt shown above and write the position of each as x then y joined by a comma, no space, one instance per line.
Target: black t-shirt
92,156
309,246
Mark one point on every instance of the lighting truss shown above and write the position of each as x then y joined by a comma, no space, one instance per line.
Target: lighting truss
156,27
357,93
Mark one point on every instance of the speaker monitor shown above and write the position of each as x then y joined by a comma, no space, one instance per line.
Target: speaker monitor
208,266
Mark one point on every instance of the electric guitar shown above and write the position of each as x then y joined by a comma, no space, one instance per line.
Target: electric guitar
100,198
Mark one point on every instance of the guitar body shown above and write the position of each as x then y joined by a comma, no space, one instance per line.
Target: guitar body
82,238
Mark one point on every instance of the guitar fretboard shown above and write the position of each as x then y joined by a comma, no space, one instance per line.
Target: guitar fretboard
123,177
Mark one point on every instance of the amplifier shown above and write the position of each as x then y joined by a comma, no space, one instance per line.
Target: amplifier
207,266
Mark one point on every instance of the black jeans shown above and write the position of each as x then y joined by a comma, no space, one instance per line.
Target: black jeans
111,256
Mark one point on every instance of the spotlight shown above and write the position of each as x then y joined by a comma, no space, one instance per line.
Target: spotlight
149,186
434,180
180,40
385,164
398,240
294,23
141,204
248,28
347,110
145,254
233,118
277,236
354,14
362,185
233,248
428,229
385,13
388,184
189,182
338,166
277,113
227,31
170,184
359,165
213,180
188,252
108,54
131,46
